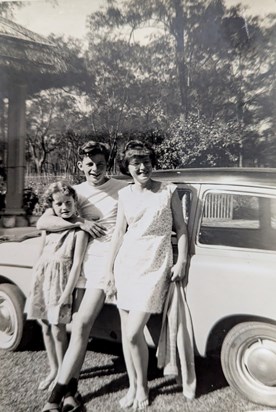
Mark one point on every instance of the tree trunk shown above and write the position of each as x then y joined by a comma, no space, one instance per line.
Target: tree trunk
177,30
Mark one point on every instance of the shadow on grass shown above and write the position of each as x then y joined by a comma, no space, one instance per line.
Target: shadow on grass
209,379
114,386
116,367
209,375
32,337
208,370
105,346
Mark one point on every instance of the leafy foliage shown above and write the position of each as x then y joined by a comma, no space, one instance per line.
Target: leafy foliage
30,200
195,142
200,86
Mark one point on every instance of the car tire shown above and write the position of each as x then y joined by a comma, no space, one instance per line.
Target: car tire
248,359
12,320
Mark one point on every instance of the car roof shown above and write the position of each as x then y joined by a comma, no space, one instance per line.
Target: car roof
217,175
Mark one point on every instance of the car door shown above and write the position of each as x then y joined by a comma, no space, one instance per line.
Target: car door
233,260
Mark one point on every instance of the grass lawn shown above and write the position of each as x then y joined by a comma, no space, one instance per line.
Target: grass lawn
104,381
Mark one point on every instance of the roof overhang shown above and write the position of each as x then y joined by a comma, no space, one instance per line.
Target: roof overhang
27,58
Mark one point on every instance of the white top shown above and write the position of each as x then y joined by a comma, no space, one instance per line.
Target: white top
101,203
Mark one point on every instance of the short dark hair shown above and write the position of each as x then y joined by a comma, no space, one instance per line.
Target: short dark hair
136,148
91,148
60,186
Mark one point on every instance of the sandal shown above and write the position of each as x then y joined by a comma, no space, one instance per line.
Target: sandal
51,407
71,404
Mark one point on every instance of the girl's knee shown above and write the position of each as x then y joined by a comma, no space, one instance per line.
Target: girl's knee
133,325
46,328
133,335
59,331
81,328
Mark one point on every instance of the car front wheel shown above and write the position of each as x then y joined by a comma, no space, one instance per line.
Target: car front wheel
11,316
248,359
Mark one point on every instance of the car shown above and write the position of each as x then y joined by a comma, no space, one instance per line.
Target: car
231,219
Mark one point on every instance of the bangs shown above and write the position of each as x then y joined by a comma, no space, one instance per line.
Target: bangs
137,153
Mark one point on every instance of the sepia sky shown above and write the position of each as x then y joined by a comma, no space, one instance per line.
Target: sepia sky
69,16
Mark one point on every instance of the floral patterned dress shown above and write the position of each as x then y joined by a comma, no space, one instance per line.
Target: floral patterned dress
142,266
50,277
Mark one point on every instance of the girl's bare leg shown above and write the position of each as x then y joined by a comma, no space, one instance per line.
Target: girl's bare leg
140,355
77,298
51,354
128,400
83,321
61,342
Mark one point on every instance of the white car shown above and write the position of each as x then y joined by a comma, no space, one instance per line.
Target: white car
231,217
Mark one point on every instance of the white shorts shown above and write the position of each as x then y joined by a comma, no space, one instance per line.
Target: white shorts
94,266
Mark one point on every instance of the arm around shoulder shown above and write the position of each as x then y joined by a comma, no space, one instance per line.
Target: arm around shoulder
52,223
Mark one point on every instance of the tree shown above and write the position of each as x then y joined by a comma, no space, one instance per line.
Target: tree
7,8
202,81
211,57
50,115
179,20
196,142
251,77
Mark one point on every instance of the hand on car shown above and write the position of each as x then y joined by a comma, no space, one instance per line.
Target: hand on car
93,228
178,272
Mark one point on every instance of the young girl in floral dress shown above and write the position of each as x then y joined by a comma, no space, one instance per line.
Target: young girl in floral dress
55,276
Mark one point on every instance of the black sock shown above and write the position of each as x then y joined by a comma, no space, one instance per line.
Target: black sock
72,387
58,393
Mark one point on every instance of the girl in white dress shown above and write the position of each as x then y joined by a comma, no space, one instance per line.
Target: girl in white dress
55,276
141,260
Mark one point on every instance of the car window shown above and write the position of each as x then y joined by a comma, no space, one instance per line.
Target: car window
239,220
186,198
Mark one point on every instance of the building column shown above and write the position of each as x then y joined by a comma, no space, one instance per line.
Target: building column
16,149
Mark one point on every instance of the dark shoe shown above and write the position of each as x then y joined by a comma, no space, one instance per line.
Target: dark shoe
72,404
51,407
78,398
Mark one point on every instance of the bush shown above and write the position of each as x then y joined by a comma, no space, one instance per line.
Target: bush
30,200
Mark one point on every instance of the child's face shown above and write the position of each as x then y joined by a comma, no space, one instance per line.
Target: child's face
63,205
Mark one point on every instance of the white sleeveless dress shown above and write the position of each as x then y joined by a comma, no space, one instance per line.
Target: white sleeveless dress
142,266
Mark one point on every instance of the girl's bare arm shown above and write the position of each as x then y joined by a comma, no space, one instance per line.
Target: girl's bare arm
178,270
79,252
43,239
116,241
49,221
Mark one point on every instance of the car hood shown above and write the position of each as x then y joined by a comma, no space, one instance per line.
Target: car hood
19,249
